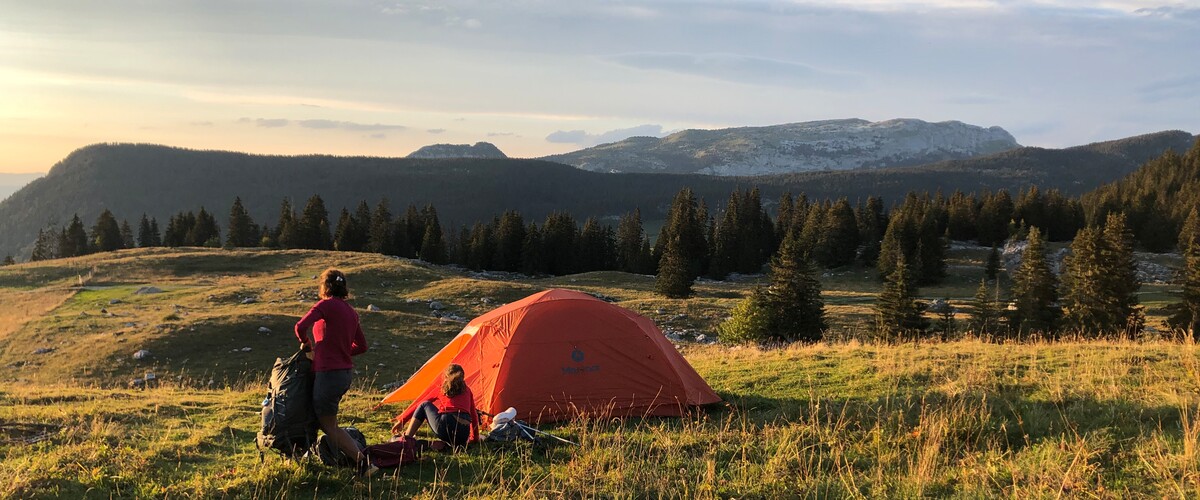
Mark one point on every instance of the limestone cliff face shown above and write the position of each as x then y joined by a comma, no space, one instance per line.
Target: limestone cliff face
794,147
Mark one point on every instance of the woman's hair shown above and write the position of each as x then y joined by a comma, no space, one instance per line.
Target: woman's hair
333,284
452,381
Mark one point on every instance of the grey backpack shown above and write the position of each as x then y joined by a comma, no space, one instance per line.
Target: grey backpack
289,425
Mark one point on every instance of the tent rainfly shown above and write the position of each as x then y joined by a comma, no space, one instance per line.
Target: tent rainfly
558,354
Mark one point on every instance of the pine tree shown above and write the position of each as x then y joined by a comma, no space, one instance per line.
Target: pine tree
992,268
242,230
313,228
433,242
1035,290
898,315
797,311
414,224
127,240
481,246
596,248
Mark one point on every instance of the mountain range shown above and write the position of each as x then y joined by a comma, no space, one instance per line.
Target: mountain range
132,179
794,147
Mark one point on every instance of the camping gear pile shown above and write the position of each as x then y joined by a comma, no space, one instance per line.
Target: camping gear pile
555,355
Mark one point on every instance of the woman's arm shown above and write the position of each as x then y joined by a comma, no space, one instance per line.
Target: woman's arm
359,344
304,324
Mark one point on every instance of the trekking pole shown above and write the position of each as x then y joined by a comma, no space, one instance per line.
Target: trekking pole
523,426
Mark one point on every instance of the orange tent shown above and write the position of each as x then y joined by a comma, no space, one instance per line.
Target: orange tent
561,353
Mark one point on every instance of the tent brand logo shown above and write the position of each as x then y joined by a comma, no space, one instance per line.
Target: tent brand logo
577,356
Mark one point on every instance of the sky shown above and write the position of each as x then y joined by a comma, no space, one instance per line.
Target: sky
538,77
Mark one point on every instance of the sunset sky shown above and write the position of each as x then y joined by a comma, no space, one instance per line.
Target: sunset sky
537,77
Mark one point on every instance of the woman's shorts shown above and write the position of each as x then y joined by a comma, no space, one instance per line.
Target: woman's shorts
328,388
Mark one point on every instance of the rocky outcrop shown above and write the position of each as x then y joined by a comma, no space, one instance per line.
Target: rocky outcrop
794,147
478,150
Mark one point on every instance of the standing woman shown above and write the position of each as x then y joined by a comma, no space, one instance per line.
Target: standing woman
336,336
451,415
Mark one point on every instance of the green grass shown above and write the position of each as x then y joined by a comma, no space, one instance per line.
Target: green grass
962,419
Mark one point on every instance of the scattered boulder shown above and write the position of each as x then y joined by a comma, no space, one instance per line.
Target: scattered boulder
263,329
114,302
373,308
141,354
437,306
137,383
245,349
43,350
146,290
249,300
130,325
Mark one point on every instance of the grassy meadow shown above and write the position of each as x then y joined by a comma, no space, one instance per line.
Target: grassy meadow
965,418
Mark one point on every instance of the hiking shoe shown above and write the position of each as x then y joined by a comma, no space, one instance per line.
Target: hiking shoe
365,468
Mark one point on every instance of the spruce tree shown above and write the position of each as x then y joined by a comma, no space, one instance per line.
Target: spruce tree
343,232
595,249
314,225
559,246
749,321
1035,290
288,230
797,311
155,235
837,244
675,273
360,227
481,247
1101,281
532,261
144,239
683,246
45,247
414,224
205,231
433,242
127,239
630,236
898,315
984,310
871,223
379,237
9,260
242,230
992,268
510,238
74,239
1190,232
106,234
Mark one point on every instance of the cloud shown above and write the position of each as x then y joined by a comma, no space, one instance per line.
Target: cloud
583,138
377,136
501,134
321,124
436,130
1170,12
737,68
1184,87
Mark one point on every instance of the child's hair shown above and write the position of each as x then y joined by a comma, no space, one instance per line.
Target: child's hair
452,381
333,284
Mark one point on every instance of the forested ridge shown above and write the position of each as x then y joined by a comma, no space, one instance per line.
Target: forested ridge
131,179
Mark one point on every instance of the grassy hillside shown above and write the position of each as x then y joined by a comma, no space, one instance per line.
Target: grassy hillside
844,419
